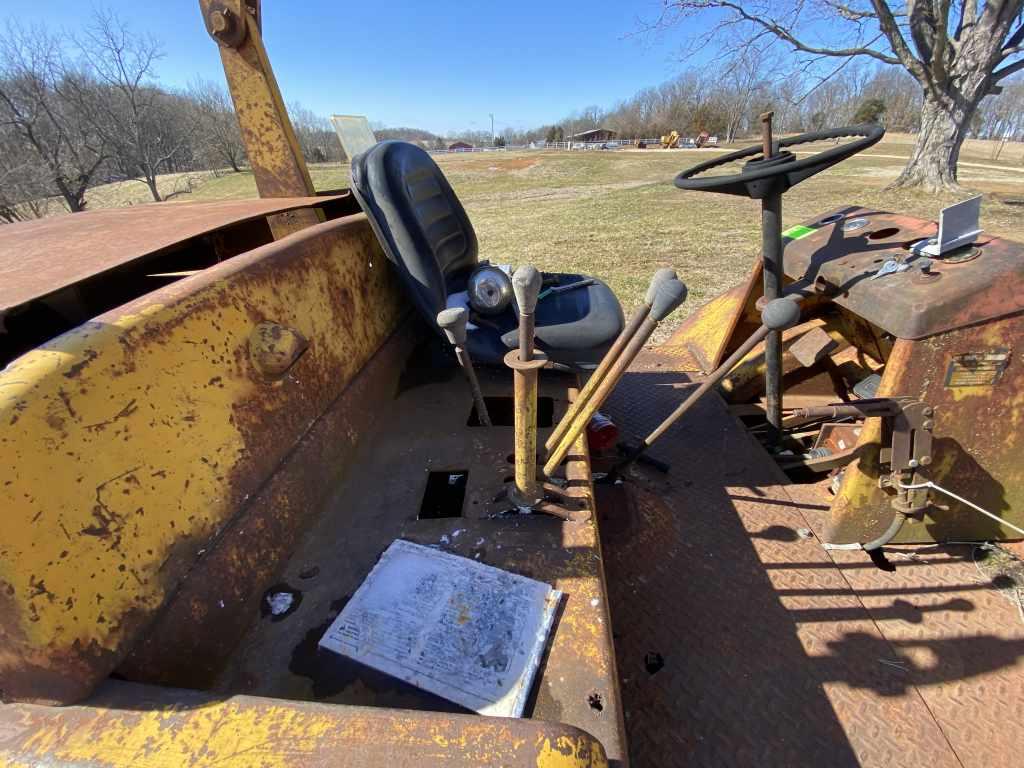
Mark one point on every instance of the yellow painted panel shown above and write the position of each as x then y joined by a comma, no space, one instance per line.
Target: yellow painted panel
135,437
132,726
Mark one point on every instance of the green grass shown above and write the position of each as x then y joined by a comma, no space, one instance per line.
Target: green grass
617,215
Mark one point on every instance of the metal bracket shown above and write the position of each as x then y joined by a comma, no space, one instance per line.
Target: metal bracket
958,226
912,427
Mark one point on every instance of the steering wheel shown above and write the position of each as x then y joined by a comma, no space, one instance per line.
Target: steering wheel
775,174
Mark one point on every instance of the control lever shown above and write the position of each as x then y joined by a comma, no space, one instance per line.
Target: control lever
668,295
613,354
777,316
453,323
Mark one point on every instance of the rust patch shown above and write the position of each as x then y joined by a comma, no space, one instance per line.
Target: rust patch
978,448
223,590
981,289
94,242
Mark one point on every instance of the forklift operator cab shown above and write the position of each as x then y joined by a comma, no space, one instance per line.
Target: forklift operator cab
429,240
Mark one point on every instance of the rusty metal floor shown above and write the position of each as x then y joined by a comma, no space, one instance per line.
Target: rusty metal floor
740,641
425,429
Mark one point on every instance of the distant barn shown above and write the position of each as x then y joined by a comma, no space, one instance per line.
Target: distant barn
596,134
459,146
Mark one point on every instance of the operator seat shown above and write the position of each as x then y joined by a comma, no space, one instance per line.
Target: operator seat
427,236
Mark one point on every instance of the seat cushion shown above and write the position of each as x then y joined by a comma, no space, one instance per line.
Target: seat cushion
419,221
574,328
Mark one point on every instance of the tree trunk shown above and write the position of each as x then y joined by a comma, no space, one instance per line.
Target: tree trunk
151,183
933,162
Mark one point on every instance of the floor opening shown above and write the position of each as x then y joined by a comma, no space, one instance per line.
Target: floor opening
446,490
502,412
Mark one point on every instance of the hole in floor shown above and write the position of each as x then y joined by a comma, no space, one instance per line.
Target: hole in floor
881,234
502,412
446,490
653,662
280,601
595,702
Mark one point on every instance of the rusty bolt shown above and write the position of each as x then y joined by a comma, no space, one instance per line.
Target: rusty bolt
225,27
274,348
219,22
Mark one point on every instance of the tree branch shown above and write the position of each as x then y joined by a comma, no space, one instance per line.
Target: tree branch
887,23
1008,70
783,33
1014,41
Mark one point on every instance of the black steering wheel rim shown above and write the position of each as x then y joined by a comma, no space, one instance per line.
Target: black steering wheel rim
779,173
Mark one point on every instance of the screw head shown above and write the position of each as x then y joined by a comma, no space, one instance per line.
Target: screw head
926,460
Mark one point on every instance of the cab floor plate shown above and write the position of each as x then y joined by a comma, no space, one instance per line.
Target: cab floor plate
740,641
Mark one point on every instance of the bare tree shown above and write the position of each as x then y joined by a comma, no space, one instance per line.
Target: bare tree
53,147
317,140
958,51
143,124
901,95
24,180
745,80
1003,119
218,139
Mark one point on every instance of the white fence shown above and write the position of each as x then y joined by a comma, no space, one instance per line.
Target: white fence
573,145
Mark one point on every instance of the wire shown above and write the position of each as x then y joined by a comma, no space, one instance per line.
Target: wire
940,489
961,499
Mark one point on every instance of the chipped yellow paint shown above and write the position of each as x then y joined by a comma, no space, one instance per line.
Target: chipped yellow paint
141,727
270,142
569,752
701,341
128,437
95,466
959,394
750,371
225,735
976,452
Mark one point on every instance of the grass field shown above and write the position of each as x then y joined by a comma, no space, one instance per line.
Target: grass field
617,215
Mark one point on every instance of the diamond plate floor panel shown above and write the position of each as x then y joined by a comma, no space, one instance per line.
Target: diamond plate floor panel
742,642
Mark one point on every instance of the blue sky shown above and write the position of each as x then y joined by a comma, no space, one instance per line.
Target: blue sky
440,65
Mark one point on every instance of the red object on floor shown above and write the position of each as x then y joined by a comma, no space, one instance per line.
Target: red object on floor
602,433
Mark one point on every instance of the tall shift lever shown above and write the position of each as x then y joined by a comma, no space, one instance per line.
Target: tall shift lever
525,363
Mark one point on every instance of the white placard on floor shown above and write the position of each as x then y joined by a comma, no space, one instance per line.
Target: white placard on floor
468,632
